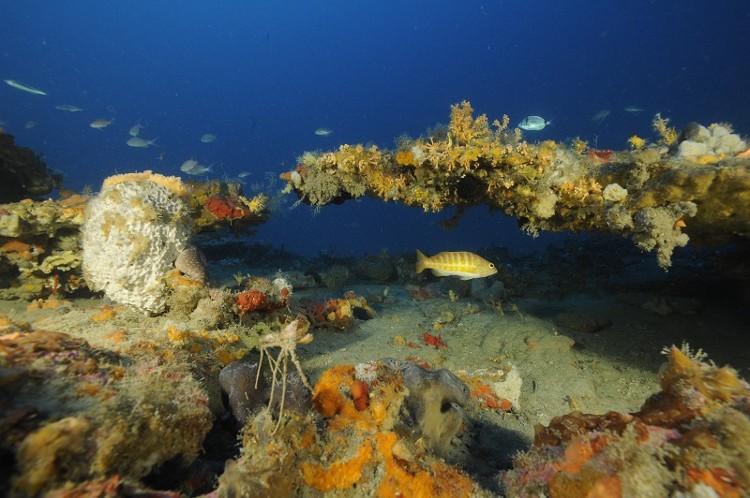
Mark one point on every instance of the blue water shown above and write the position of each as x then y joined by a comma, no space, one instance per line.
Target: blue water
263,75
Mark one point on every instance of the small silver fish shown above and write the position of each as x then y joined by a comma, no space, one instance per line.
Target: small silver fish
68,108
533,123
600,116
29,125
141,142
193,167
208,138
633,109
135,129
100,124
25,88
244,174
188,165
324,132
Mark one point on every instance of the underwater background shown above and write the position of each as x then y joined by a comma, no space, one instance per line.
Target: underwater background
165,333
262,76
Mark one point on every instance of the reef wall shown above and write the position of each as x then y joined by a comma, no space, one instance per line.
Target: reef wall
689,185
41,249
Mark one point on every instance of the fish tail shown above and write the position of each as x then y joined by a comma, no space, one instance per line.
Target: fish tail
421,261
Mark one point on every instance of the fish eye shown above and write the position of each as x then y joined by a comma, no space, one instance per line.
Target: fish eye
492,265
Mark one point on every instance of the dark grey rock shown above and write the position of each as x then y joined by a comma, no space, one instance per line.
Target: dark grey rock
237,381
433,408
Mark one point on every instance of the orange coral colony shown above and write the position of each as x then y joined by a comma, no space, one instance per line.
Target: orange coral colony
226,208
367,411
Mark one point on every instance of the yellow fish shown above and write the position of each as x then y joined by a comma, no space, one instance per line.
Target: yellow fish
462,264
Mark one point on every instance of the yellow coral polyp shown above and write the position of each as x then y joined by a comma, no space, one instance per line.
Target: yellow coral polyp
256,204
405,158
636,142
579,145
683,371
706,159
176,335
226,356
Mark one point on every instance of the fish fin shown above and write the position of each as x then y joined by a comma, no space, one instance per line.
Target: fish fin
440,273
420,261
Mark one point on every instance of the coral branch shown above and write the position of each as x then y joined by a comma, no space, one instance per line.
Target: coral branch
657,194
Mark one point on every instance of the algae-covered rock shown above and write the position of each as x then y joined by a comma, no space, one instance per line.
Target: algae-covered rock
40,248
690,439
74,412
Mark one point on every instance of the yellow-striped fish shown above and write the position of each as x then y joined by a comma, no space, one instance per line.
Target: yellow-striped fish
462,264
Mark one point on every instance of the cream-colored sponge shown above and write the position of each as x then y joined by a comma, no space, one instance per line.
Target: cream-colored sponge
134,230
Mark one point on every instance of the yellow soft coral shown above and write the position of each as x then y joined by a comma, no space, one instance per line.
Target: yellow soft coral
405,158
668,134
579,145
464,128
636,142
256,204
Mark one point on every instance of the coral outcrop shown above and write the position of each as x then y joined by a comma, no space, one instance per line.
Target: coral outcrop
41,241
135,229
261,294
40,251
691,439
362,447
338,313
660,195
72,412
216,204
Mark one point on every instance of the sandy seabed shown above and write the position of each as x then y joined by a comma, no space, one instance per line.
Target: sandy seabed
577,353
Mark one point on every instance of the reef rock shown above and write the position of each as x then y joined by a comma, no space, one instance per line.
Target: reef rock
715,140
245,392
134,231
243,388
690,439
24,174
378,268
